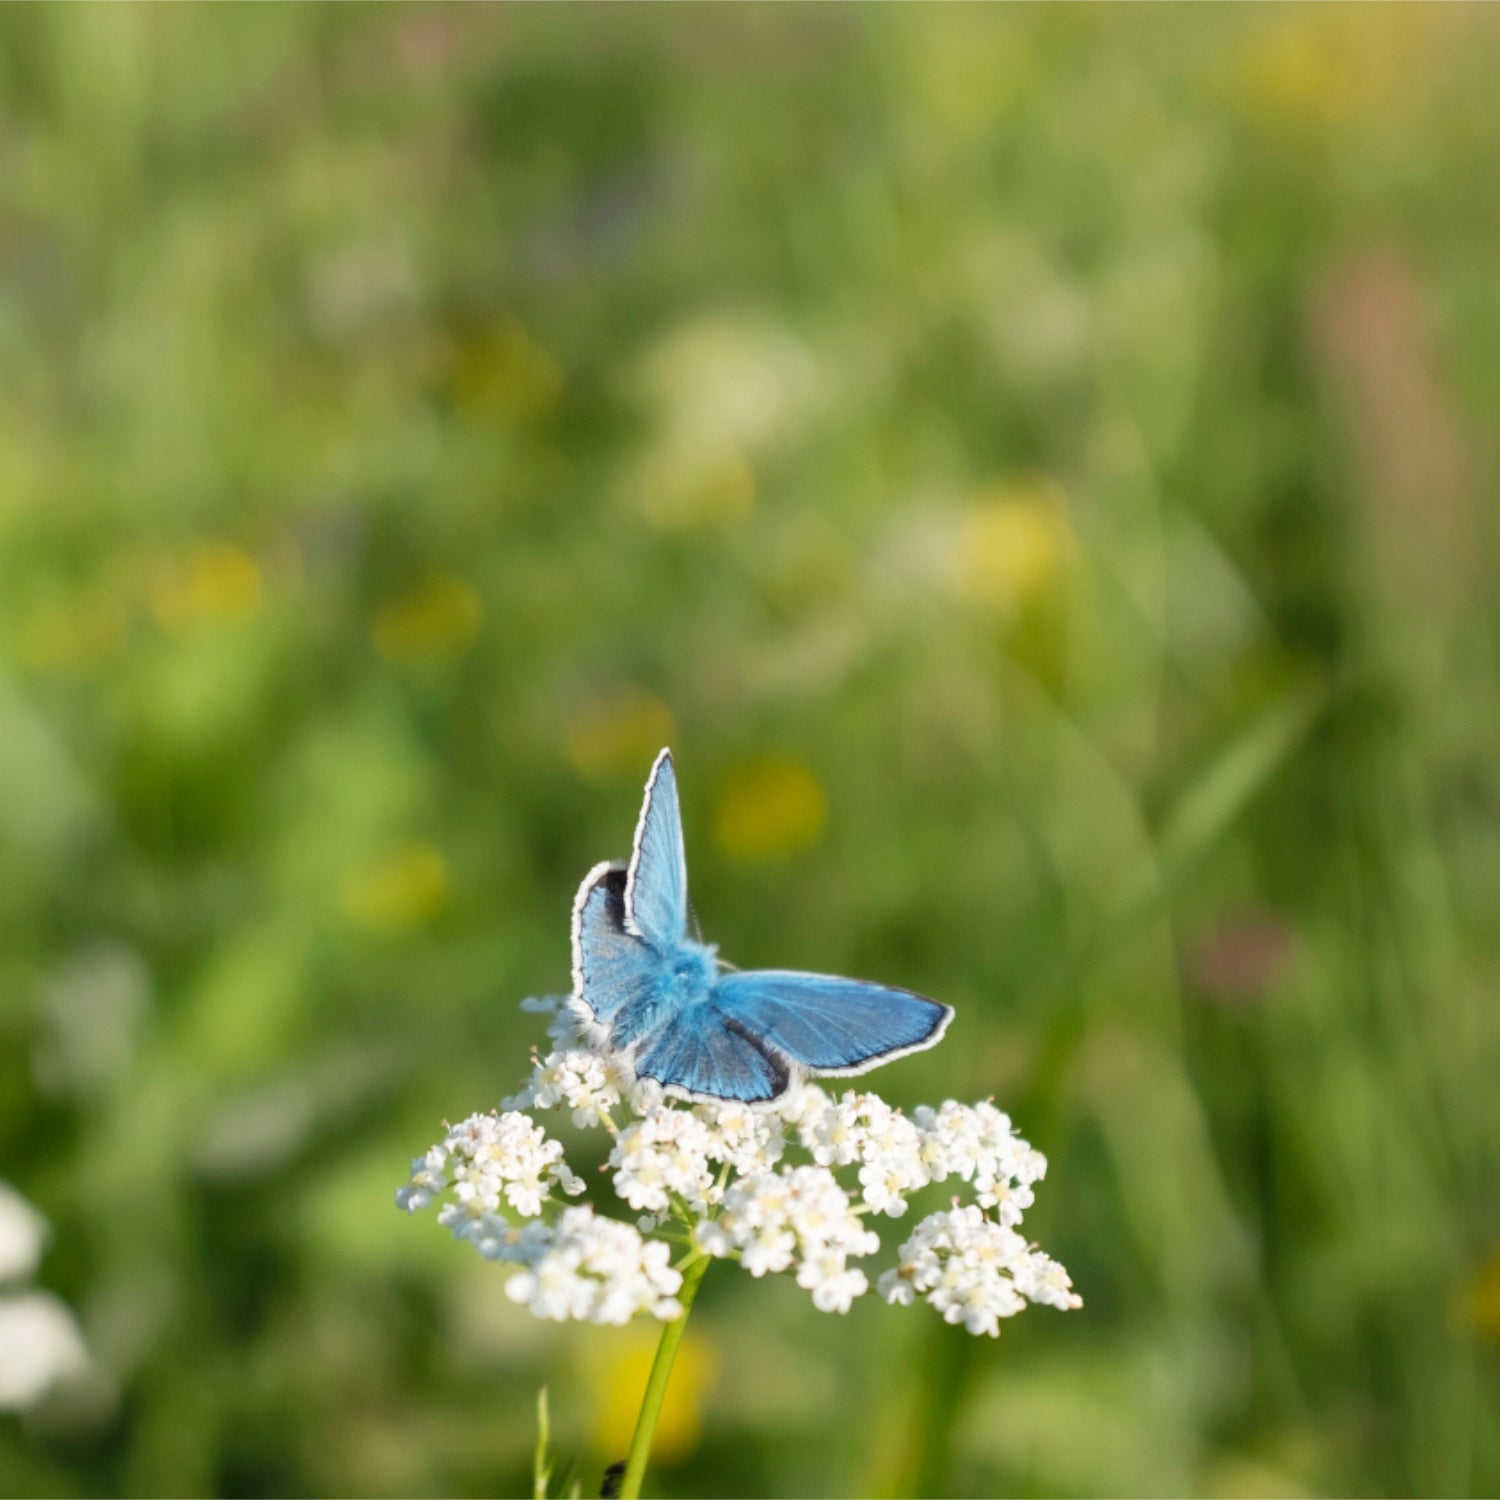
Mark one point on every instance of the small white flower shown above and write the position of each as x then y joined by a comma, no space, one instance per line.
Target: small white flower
563,1027
714,1239
978,1144
427,1179
833,1284
801,1104
768,1251
646,1096
833,1133
1043,1280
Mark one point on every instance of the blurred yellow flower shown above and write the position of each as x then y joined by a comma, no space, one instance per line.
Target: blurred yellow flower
618,735
1012,544
1294,74
399,892
504,371
214,582
691,486
617,1373
1479,1303
439,617
767,808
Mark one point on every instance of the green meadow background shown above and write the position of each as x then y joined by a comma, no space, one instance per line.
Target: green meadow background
1035,466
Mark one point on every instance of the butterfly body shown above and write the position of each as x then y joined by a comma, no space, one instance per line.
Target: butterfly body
668,1008
679,980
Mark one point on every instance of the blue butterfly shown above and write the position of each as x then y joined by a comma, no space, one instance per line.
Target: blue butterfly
670,1009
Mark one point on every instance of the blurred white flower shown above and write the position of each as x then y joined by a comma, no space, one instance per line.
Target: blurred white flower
40,1342
563,1027
23,1233
40,1346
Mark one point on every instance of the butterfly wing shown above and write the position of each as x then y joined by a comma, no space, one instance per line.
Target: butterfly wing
704,1053
611,967
656,899
826,1024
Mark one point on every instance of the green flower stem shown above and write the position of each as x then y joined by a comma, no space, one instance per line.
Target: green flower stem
656,1385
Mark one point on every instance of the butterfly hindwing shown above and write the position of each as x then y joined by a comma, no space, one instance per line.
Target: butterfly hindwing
827,1024
610,966
707,1054
656,899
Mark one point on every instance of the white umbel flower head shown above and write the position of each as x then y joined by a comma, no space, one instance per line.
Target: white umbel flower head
754,1183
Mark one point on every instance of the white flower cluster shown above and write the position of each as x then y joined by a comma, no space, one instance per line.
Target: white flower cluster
583,1080
897,1156
799,1216
682,1154
484,1159
975,1271
712,1178
591,1268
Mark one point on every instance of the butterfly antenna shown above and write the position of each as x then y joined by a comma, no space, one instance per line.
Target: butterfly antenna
693,918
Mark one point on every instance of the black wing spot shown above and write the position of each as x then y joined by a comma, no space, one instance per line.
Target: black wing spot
613,883
781,1074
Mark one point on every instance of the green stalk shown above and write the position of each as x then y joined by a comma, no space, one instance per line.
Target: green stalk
656,1385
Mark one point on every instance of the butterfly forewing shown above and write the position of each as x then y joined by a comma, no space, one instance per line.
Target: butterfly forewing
827,1024
656,899
610,966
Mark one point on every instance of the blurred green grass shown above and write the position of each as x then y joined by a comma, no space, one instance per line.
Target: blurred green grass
1030,465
